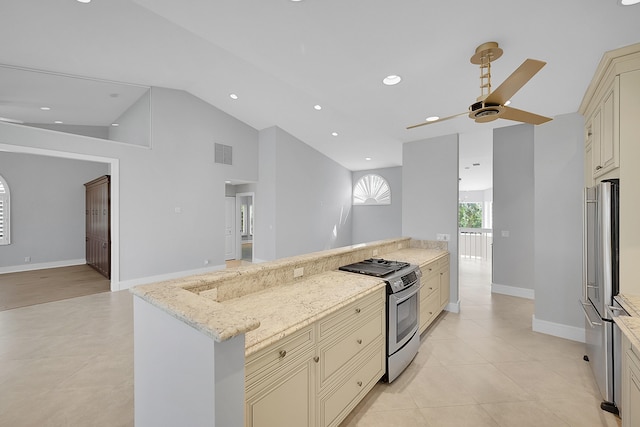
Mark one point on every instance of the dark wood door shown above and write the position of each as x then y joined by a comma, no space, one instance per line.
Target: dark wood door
98,224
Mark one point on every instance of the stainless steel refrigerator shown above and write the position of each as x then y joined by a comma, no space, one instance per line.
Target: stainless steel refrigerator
601,285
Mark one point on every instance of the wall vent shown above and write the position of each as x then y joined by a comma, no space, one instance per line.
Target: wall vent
224,154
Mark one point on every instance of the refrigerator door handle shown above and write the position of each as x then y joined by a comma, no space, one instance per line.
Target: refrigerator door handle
584,306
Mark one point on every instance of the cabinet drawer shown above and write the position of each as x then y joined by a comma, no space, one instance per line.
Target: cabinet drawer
336,355
429,286
429,309
337,404
429,270
340,321
278,355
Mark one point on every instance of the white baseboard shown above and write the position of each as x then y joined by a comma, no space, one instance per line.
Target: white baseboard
512,291
557,329
453,307
41,265
126,284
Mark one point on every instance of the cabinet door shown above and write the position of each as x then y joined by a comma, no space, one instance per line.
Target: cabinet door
609,145
596,142
588,165
286,400
444,286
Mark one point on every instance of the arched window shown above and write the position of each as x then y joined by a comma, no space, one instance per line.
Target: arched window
372,189
4,212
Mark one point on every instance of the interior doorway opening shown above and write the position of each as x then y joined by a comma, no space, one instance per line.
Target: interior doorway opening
245,213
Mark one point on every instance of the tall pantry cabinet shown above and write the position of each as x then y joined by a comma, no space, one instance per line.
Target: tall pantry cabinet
611,108
98,224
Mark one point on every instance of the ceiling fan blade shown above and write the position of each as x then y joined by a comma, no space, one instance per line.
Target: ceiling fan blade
437,121
515,81
523,116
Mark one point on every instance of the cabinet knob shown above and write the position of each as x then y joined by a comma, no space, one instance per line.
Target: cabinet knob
359,341
359,383
357,310
598,167
283,353
316,359
431,288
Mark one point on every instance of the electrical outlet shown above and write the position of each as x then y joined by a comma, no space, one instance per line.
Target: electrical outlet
443,237
27,259
505,233
206,262
298,272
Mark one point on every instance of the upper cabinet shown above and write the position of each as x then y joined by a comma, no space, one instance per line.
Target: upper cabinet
601,109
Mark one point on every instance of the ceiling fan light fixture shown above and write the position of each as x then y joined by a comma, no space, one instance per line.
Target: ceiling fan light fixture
432,118
317,107
628,2
392,80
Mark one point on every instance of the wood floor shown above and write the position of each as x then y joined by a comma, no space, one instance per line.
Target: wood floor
52,284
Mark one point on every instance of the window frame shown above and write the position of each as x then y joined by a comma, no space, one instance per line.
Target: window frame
371,190
5,199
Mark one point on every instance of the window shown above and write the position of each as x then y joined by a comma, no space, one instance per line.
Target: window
470,215
371,190
4,212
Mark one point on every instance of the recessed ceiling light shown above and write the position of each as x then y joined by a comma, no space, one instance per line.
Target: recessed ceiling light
334,133
629,2
432,118
45,108
84,1
58,122
233,96
317,107
115,124
392,80
367,158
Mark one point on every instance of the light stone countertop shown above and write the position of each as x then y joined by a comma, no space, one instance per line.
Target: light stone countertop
630,325
288,308
266,303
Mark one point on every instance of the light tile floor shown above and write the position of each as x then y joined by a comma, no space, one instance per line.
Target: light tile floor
484,367
70,363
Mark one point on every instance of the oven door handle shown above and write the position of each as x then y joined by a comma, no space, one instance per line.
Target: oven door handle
406,297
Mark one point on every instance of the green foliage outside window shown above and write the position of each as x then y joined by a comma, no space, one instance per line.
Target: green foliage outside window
470,215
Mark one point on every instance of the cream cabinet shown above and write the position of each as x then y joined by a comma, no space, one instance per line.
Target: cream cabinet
630,384
434,295
602,131
279,382
317,375
443,272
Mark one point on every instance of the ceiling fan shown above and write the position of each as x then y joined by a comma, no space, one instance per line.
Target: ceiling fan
490,105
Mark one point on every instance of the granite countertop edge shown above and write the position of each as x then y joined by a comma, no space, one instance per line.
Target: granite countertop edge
220,321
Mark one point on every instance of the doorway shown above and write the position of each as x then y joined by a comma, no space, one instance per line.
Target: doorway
245,214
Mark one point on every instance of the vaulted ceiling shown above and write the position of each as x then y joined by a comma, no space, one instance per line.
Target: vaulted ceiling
283,57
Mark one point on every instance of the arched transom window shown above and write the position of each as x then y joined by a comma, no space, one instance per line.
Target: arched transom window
4,212
372,189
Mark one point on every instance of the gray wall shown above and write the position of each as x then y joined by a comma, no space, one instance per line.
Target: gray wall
178,171
303,201
47,209
559,156
430,194
373,222
134,125
513,206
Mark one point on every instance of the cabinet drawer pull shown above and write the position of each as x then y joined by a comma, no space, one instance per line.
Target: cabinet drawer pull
357,310
316,359
359,383
283,353
430,288
359,341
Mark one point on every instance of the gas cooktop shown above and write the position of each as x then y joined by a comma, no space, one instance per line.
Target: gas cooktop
375,267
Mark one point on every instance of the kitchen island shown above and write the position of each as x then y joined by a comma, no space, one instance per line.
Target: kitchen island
192,335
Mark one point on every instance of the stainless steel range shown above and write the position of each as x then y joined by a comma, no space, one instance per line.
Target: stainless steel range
403,306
